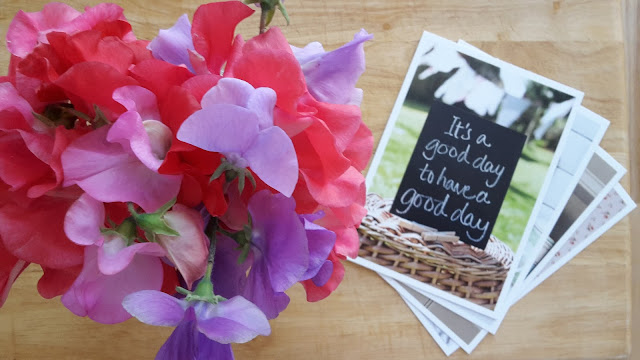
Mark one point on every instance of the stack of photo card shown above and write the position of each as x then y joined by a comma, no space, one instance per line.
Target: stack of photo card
487,179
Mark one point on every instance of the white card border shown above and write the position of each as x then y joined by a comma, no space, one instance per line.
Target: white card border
502,304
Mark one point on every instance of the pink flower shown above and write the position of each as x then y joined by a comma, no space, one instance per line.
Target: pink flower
100,296
27,30
119,163
83,224
188,251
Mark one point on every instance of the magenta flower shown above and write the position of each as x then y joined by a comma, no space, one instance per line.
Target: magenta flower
204,330
119,163
237,120
83,223
331,76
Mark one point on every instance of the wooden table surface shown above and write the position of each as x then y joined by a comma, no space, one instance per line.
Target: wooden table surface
583,311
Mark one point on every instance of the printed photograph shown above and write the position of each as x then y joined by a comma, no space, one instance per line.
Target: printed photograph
598,174
505,96
585,133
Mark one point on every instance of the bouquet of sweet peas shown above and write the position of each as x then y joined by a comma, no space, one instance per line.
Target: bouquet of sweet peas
188,181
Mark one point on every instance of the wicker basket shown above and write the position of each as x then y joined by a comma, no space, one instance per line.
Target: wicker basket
434,257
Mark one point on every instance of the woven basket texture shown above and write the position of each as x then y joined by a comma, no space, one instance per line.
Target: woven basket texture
434,257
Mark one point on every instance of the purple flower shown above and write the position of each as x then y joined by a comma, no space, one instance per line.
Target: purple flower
280,251
204,330
237,121
321,242
173,45
285,248
331,76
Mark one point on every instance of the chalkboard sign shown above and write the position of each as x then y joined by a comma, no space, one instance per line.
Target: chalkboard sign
459,174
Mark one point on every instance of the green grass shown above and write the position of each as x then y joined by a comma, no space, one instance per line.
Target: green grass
521,197
519,200
398,151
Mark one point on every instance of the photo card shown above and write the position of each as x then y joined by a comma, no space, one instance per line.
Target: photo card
433,257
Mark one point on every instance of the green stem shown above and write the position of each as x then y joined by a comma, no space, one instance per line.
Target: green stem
263,17
213,229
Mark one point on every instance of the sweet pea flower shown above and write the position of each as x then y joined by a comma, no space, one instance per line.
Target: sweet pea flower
285,248
83,224
119,162
331,76
204,330
173,45
280,251
100,296
27,30
188,251
237,120
205,47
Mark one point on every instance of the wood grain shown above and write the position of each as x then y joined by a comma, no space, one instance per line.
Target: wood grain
631,15
582,312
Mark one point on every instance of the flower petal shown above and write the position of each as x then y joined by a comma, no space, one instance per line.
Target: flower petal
273,146
316,292
32,230
55,282
324,274
84,93
279,69
228,275
260,291
209,349
172,45
360,147
235,320
109,173
10,268
84,219
321,242
188,251
28,29
220,128
213,28
228,91
279,238
114,256
182,344
331,77
100,296
155,308
130,132
138,99
263,102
